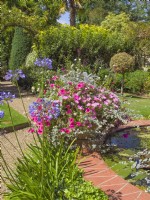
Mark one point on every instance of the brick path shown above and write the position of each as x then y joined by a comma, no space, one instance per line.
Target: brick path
103,177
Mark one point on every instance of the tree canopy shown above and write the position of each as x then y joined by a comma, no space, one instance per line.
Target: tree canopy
94,11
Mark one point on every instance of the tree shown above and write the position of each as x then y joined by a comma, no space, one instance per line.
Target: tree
32,16
94,11
121,63
72,6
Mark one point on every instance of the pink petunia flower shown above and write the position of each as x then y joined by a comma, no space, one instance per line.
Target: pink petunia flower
78,123
80,107
40,131
80,85
71,120
76,97
54,78
52,85
65,130
87,110
62,92
65,97
71,125
95,105
69,111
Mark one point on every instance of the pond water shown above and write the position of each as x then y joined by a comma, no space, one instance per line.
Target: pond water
128,153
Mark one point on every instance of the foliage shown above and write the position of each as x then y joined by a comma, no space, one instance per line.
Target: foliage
47,171
94,11
31,15
86,42
6,39
30,59
147,85
137,81
21,45
114,22
121,62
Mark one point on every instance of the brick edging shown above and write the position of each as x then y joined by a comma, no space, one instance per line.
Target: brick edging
103,177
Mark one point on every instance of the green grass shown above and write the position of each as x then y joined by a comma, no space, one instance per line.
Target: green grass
124,168
139,105
17,117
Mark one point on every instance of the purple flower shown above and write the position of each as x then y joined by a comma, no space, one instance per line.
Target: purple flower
6,96
45,62
1,114
44,110
14,75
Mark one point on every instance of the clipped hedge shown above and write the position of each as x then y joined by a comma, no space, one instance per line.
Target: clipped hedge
88,42
21,45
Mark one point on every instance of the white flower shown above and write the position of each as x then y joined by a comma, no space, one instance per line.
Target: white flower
38,89
33,89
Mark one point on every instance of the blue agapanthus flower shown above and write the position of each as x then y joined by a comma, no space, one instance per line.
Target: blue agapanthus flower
14,75
45,62
6,96
1,114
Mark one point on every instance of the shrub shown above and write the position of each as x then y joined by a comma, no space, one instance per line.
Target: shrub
138,81
147,85
47,171
86,42
21,45
30,59
121,63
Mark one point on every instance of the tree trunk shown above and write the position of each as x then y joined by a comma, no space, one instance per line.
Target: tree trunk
122,84
72,13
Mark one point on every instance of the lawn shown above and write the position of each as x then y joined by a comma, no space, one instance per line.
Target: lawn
139,105
17,117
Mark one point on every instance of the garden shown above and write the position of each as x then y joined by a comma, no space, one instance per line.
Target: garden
88,80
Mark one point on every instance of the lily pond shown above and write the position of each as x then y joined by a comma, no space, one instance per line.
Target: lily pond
128,154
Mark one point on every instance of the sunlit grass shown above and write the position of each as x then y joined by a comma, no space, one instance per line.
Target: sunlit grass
140,106
17,117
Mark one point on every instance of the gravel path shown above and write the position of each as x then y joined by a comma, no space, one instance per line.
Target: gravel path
9,145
